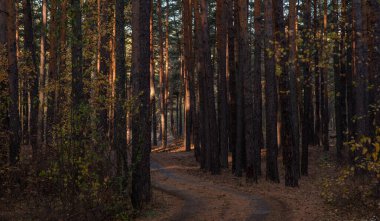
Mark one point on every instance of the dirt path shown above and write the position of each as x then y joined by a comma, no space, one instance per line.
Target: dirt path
203,199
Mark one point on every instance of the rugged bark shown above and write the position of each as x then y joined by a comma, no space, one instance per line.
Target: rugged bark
141,121
14,119
270,96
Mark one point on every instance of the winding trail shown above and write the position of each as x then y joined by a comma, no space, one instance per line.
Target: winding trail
203,199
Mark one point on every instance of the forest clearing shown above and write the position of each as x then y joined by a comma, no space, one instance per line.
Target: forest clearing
190,110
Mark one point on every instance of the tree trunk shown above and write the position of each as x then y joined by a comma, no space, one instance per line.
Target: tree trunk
3,84
152,79
288,138
317,75
42,76
14,119
141,121
221,24
162,76
360,71
375,58
231,74
245,76
271,96
307,118
257,88
324,83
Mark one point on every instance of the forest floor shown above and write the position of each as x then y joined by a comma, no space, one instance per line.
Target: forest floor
184,192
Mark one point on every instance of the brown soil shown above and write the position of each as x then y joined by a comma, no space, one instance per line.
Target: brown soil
192,194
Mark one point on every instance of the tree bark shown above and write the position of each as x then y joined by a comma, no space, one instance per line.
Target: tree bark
14,119
271,96
141,121
307,118
221,24
257,87
152,79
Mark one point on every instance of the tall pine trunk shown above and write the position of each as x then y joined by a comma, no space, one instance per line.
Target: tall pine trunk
271,98
141,121
14,119
257,88
221,24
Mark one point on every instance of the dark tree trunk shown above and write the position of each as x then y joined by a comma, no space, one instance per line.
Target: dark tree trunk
375,58
3,84
245,76
307,118
317,76
360,71
141,121
257,88
270,96
210,123
221,24
120,131
343,72
288,138
14,119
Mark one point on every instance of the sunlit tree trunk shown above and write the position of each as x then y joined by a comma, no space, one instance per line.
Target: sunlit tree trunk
152,79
